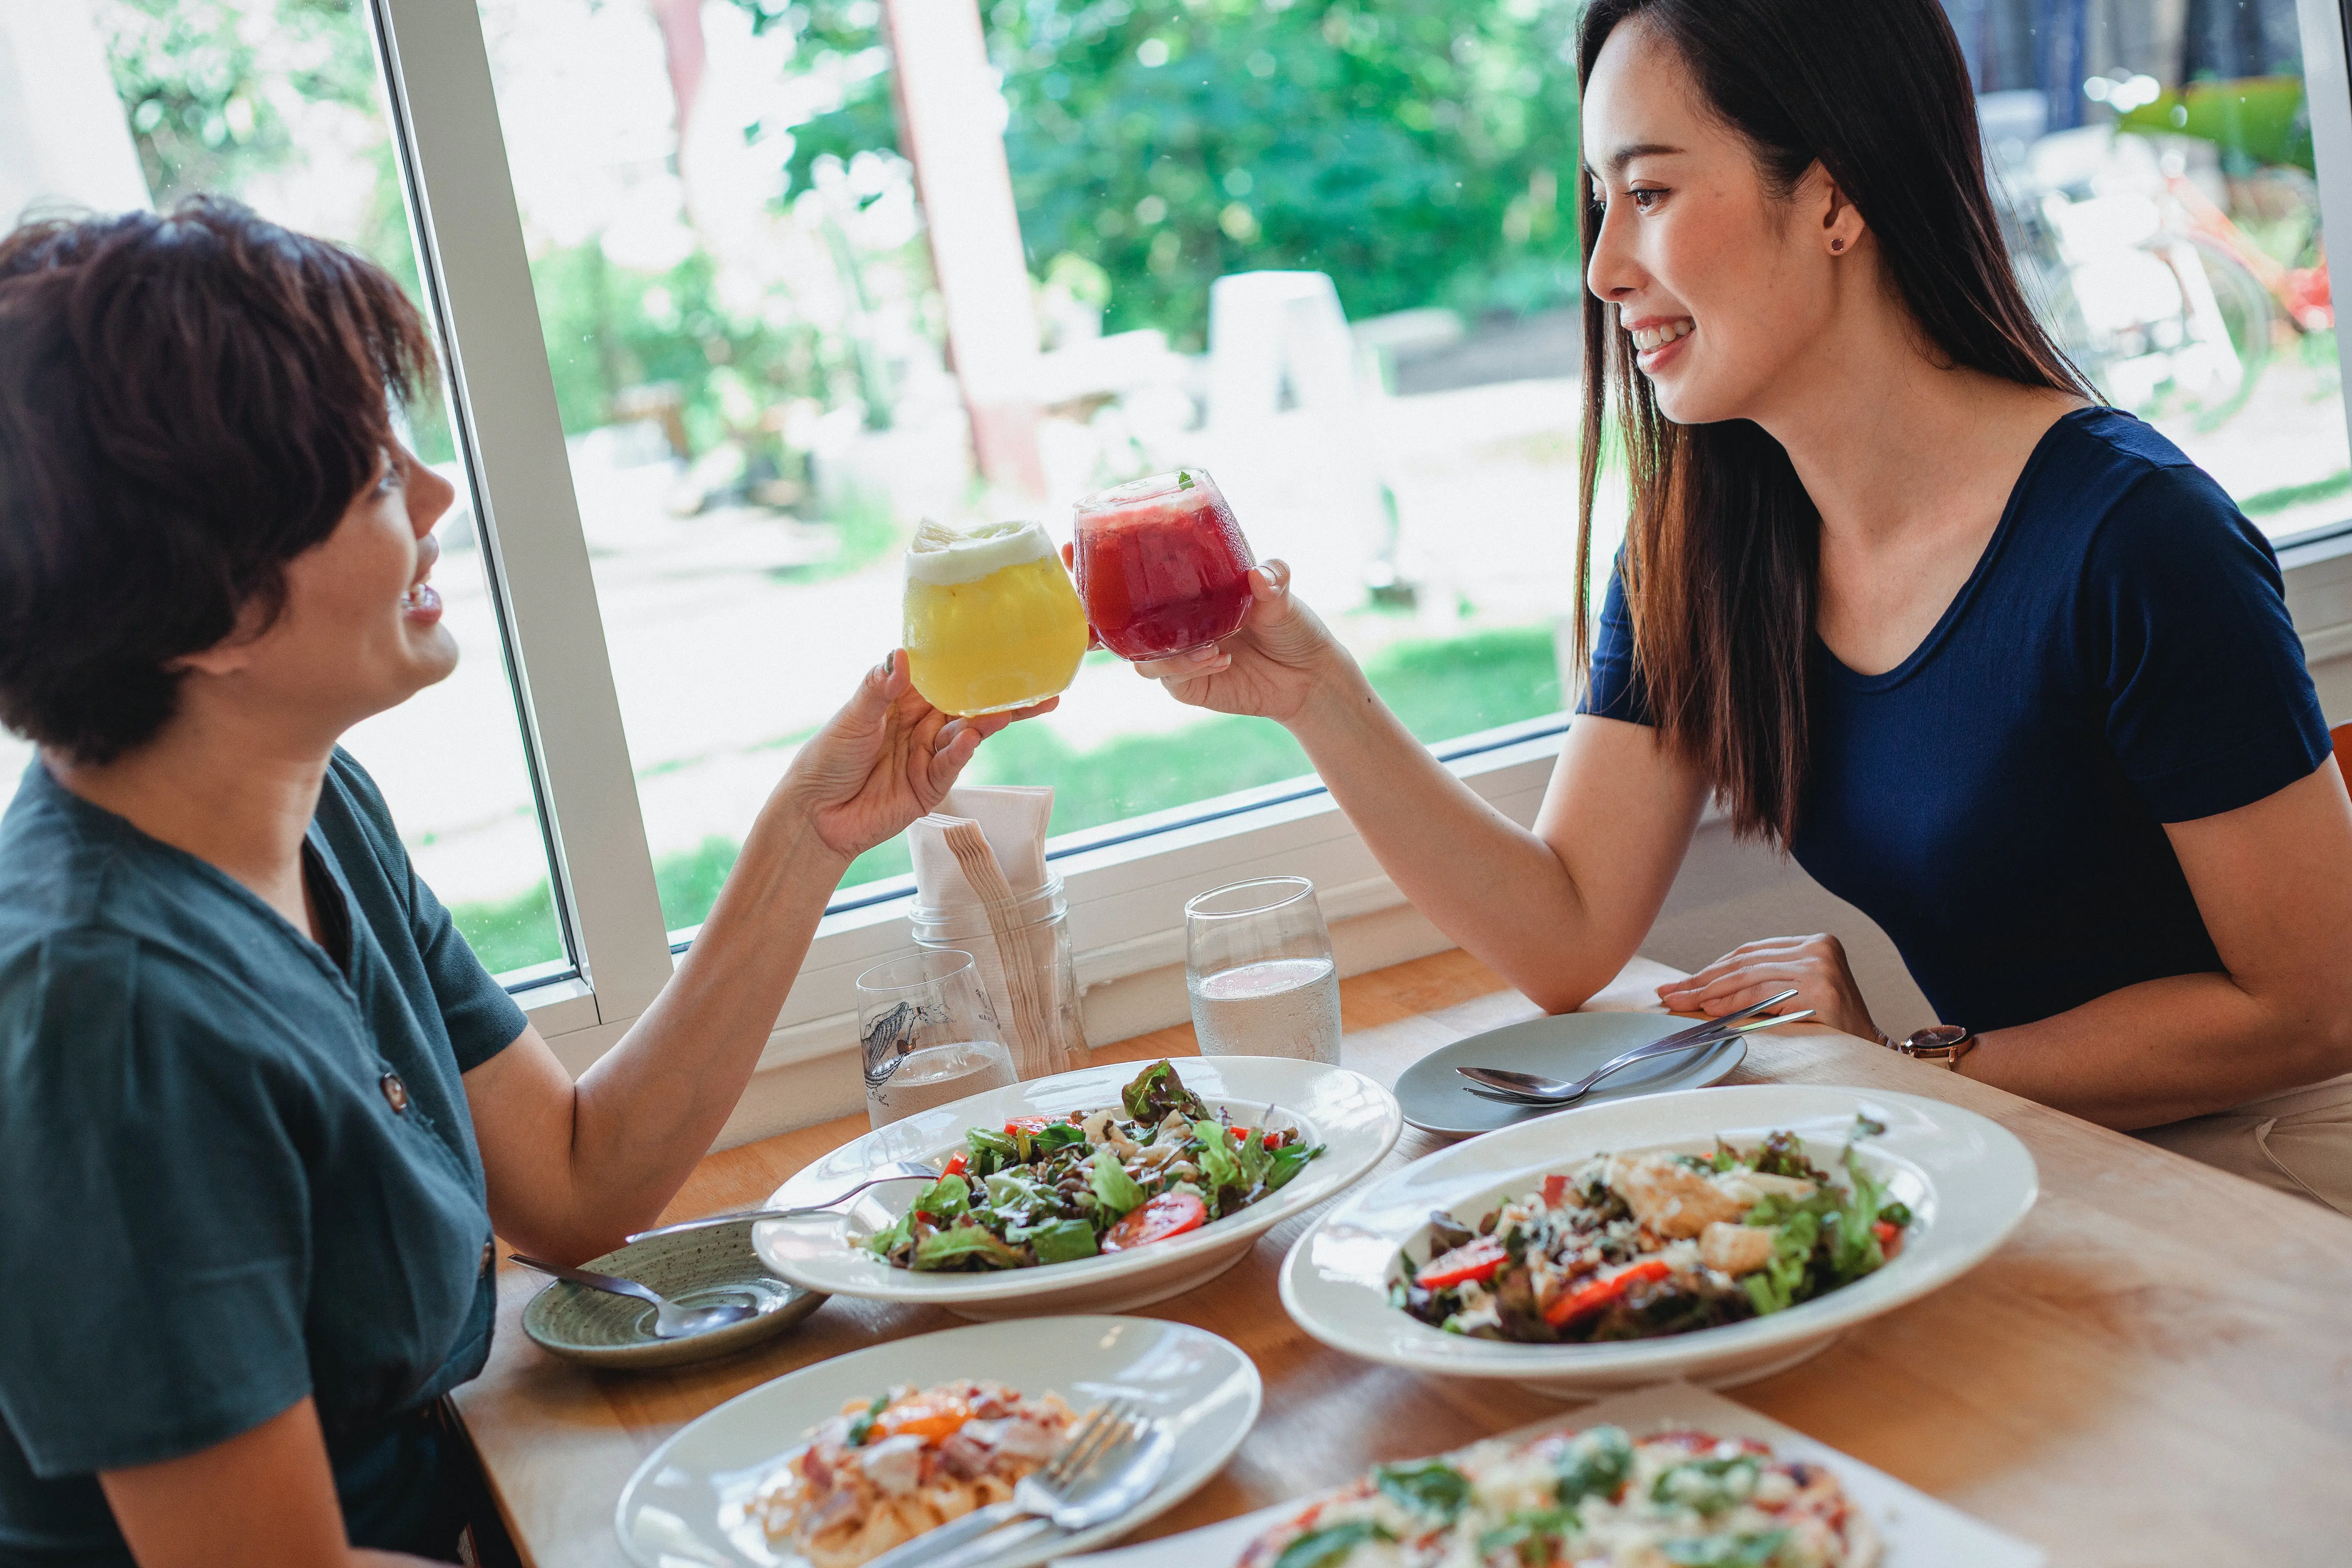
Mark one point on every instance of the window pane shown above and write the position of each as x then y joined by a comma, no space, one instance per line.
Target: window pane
750,349
2158,174
277,102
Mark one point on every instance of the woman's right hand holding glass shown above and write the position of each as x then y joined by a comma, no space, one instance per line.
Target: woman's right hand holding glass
1282,656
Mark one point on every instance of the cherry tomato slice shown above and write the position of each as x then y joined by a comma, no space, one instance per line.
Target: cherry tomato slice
1890,1239
1474,1260
1169,1213
1554,1189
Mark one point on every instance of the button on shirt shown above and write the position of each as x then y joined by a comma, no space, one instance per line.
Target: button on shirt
239,1169
2120,659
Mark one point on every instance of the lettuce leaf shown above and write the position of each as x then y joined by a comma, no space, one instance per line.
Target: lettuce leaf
944,1199
1057,1241
945,1247
1156,1091
1114,1188
1220,1167
1288,1161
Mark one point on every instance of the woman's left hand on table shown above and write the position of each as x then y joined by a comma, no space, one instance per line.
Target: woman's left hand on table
1816,966
886,758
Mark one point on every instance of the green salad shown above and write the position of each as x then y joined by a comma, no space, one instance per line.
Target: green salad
1630,1248
1042,1190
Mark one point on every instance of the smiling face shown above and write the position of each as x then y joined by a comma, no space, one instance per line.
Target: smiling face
1728,289
361,627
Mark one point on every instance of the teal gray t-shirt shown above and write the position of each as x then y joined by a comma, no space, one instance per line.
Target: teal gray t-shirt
235,1168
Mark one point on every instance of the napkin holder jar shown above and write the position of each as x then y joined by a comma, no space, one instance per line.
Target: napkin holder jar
1033,986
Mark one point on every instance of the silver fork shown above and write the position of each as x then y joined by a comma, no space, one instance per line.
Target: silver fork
897,1170
1110,1463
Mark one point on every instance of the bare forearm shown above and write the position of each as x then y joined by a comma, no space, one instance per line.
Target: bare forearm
648,1109
1492,886
2185,1046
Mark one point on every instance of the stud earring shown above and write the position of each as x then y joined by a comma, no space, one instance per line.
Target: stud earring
1837,245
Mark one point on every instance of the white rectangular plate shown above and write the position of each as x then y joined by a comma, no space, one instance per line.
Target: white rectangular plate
1919,1532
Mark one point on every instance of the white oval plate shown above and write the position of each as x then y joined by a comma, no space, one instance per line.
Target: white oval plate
1968,1180
687,1505
1354,1119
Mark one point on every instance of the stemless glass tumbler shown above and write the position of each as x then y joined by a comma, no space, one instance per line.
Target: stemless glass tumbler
991,621
1161,566
1258,968
928,1035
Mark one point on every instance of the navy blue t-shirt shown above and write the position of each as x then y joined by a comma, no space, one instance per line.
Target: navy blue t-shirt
2120,659
218,1200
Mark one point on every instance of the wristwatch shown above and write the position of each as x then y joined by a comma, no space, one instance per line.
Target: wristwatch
1942,1044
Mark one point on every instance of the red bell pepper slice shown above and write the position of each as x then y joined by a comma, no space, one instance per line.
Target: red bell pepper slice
957,1166
1597,1294
1477,1260
1890,1237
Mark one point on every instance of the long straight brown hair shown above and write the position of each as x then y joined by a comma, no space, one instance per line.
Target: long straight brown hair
1722,548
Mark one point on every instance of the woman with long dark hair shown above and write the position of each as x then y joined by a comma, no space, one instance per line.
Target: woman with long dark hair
1996,664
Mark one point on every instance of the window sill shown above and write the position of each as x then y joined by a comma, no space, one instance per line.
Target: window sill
2319,594
1127,898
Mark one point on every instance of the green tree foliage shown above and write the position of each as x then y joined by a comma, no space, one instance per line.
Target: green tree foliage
214,91
1420,151
203,82
608,328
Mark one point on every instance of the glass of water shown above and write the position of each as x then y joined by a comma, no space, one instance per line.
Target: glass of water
1258,967
928,1035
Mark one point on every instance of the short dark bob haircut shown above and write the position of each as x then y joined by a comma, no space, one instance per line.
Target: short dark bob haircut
188,401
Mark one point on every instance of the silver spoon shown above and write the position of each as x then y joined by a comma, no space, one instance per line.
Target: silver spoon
897,1170
671,1322
1526,1088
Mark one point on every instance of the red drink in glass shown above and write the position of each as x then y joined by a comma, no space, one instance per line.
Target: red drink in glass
1162,566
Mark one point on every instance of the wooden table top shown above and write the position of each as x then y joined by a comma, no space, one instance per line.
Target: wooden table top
2156,1368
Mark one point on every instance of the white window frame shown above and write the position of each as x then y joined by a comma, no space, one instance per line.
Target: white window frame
1126,898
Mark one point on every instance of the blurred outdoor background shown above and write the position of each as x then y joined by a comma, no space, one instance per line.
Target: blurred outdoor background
1325,249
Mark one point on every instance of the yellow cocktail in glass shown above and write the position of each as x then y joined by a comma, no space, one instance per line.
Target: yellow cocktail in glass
992,621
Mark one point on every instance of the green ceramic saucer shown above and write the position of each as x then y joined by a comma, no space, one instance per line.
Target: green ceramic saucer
694,1268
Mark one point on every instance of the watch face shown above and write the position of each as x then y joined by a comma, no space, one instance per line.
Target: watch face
1936,1039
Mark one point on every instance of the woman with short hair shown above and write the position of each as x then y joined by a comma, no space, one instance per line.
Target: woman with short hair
260,1106
1998,666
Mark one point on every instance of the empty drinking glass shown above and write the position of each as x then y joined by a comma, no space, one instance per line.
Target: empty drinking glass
928,1034
1258,968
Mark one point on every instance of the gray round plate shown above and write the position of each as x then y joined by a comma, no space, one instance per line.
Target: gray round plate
695,1268
1436,1099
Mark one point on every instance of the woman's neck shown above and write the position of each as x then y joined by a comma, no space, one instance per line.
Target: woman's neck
1889,443
226,791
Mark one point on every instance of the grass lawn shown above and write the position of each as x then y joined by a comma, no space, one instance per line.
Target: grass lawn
1441,689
